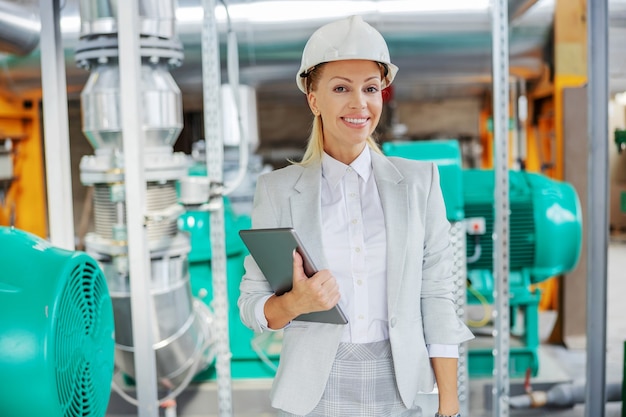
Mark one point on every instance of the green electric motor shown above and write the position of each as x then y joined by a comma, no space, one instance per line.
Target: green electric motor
56,330
545,223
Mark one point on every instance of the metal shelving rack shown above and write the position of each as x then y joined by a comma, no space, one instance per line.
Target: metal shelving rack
500,74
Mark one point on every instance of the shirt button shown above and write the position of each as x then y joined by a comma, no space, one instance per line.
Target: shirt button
352,195
359,282
354,221
357,250
361,317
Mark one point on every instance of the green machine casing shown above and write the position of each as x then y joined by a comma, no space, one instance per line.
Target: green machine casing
545,232
56,332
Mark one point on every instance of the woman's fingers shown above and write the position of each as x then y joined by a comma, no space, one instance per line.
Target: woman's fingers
317,293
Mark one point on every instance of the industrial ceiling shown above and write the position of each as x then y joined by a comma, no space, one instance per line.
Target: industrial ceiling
443,48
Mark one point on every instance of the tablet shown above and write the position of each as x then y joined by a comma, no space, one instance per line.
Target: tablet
272,250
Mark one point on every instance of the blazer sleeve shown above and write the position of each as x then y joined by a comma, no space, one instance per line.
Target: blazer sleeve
254,287
442,325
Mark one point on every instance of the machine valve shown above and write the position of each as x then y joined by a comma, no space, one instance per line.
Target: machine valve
475,226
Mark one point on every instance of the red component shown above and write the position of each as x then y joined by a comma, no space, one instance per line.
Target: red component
527,386
387,94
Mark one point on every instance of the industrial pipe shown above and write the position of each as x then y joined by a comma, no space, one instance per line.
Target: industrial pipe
19,28
563,396
180,326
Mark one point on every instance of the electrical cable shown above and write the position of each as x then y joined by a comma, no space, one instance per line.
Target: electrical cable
477,251
256,346
232,67
486,308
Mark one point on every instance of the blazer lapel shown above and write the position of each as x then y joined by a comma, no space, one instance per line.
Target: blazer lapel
395,202
306,212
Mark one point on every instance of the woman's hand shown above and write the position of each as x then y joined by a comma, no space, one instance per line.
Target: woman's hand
317,293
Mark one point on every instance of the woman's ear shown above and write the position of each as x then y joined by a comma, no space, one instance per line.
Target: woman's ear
313,103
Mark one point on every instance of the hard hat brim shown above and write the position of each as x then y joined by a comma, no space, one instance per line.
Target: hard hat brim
301,77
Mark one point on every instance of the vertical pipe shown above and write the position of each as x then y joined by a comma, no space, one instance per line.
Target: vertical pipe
624,383
500,61
56,128
211,82
597,203
522,118
135,194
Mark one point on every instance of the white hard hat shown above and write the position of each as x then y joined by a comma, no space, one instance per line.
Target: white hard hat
349,38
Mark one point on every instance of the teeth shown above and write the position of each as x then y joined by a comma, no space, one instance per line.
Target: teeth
355,121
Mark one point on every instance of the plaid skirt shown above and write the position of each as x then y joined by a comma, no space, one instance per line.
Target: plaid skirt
361,384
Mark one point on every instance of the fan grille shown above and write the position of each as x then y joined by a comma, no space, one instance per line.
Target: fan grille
84,343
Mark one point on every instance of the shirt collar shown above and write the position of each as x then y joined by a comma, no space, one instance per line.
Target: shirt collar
334,170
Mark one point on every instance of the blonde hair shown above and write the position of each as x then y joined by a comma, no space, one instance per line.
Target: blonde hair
315,143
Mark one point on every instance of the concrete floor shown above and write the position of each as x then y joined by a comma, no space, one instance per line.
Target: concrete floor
557,365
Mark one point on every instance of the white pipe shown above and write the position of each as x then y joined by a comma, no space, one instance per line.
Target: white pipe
134,179
56,129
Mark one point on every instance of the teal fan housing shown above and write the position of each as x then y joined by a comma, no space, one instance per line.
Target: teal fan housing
56,330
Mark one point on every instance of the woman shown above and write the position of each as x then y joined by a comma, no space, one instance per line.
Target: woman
376,228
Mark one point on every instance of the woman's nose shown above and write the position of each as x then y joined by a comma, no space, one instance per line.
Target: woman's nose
357,100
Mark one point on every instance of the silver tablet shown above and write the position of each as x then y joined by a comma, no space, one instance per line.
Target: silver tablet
272,250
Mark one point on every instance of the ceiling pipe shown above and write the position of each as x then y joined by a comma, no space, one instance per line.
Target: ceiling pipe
441,45
19,27
518,7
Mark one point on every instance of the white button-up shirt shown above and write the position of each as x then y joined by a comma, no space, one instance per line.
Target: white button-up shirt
355,246
355,242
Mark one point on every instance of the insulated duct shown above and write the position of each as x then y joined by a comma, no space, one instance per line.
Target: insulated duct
182,331
19,27
99,17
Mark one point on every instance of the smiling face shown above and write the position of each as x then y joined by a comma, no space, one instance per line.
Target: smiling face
348,97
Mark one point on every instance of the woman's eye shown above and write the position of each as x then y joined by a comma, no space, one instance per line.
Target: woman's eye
340,89
372,89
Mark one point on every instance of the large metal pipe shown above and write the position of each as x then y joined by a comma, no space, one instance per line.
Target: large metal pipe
598,190
127,165
99,17
102,113
19,27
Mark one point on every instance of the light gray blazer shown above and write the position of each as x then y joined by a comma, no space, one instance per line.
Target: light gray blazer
420,284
